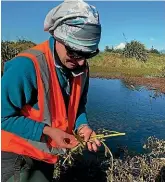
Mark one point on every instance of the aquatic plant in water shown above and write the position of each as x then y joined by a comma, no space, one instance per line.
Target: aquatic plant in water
102,134
149,167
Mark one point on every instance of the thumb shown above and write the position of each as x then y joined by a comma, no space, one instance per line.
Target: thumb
86,137
70,143
70,137
70,140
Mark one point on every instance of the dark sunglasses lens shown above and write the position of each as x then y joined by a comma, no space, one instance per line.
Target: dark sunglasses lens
81,55
74,55
93,54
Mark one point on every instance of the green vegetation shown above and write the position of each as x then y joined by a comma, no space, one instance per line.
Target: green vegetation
153,50
133,60
109,64
96,167
135,49
102,134
10,49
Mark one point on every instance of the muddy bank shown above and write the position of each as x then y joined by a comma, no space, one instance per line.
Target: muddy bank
157,84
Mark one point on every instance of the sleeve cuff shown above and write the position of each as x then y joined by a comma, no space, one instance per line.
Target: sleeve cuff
37,134
81,120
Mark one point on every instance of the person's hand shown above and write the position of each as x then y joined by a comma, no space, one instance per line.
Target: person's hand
61,138
86,133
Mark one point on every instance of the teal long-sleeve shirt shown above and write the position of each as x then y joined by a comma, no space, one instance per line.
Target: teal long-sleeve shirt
19,87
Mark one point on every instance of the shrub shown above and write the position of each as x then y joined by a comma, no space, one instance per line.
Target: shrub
155,51
9,49
135,49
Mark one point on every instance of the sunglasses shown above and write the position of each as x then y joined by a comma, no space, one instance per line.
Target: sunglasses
79,54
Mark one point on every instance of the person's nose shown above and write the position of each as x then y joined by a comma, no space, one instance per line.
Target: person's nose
81,62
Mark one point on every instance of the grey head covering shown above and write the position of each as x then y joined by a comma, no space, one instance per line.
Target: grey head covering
76,24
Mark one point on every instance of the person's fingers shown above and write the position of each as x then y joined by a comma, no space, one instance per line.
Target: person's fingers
70,141
98,143
85,133
70,138
94,147
85,136
67,135
89,146
70,145
74,142
93,134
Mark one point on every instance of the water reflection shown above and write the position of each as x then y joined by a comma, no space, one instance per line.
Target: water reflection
113,105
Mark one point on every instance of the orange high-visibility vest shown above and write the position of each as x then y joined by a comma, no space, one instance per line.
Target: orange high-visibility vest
51,106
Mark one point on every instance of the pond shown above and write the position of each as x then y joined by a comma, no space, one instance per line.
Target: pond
137,112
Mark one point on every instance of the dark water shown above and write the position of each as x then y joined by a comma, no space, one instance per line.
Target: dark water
138,113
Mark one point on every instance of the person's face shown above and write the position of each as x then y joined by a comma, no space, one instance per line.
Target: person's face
68,60
71,58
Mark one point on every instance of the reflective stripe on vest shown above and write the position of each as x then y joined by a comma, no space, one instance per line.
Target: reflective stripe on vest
51,106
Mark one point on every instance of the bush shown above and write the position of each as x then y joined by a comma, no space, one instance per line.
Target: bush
9,49
120,51
135,49
155,51
107,49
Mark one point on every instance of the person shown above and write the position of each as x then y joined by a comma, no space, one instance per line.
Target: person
44,94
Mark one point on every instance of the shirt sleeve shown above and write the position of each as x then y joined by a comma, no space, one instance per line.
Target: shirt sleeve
18,87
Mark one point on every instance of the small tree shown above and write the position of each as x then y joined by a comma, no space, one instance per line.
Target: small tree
107,49
135,49
120,51
153,50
